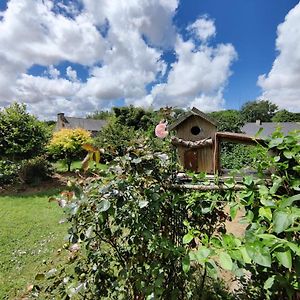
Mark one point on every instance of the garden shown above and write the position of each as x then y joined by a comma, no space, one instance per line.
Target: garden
118,226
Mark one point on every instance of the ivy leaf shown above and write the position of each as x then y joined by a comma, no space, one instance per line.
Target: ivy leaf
269,283
225,261
187,238
281,220
285,258
104,205
186,264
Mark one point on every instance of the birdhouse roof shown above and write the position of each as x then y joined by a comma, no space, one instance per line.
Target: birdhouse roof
193,112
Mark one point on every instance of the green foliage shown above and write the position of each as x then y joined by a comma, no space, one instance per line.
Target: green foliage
239,156
135,117
22,136
115,138
8,171
228,120
286,116
100,115
135,233
35,170
262,110
66,144
270,249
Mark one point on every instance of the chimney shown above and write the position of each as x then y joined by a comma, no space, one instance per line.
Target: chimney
60,116
258,122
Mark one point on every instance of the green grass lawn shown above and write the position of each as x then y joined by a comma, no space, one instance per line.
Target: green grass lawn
30,235
61,166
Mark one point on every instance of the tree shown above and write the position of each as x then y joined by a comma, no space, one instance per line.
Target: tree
67,144
100,115
262,110
286,116
22,136
115,138
135,117
228,120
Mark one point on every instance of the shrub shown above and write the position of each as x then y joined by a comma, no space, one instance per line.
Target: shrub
35,170
66,144
8,171
115,138
22,136
134,235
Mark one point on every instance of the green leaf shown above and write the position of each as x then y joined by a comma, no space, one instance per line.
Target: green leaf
265,212
202,253
259,254
276,184
245,255
269,283
281,220
288,154
248,180
225,261
285,202
186,264
233,211
187,238
275,142
285,258
104,205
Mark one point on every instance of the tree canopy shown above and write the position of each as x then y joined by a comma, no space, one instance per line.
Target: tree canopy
228,120
286,116
262,110
67,144
22,135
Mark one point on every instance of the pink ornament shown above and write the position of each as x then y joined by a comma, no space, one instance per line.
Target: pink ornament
161,130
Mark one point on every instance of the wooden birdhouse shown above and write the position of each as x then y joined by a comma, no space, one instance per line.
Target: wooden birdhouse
195,133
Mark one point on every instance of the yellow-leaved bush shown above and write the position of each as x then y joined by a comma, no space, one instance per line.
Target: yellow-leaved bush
67,144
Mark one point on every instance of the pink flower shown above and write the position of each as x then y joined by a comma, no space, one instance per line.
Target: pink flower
161,130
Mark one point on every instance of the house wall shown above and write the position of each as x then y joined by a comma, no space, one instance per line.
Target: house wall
204,155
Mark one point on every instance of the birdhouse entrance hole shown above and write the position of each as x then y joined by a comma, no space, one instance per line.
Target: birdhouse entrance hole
195,130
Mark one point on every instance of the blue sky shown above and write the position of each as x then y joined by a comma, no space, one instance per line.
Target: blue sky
251,27
86,55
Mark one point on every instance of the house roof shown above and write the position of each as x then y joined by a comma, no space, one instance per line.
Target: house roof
88,124
193,112
269,128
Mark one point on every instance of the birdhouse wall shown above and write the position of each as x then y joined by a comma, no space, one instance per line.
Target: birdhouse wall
206,129
199,159
204,158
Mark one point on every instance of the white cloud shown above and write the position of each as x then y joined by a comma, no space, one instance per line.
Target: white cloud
203,28
122,62
53,72
197,78
71,73
281,84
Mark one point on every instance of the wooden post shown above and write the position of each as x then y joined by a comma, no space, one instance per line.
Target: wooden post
217,164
